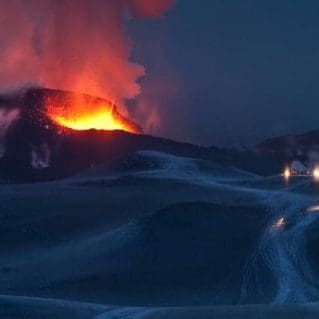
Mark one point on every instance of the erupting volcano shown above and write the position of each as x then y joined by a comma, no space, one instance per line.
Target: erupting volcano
83,112
47,129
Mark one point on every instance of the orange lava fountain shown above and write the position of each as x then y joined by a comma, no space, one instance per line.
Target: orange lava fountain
85,113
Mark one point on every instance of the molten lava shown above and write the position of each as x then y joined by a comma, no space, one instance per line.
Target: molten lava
84,113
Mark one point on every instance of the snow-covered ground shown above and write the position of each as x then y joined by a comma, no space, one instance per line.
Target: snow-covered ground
160,236
15,307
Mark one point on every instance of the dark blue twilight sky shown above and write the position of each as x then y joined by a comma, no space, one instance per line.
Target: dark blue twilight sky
230,72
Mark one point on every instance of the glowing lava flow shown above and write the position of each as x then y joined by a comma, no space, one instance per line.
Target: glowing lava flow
86,114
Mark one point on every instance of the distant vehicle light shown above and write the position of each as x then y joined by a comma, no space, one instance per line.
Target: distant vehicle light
287,173
279,224
315,173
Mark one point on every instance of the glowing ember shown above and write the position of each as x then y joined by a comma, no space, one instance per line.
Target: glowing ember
85,113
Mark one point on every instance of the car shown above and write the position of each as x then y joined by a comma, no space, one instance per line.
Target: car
297,168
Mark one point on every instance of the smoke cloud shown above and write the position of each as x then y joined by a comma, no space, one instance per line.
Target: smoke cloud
78,45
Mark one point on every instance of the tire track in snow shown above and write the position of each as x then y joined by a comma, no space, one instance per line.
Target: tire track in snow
282,249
